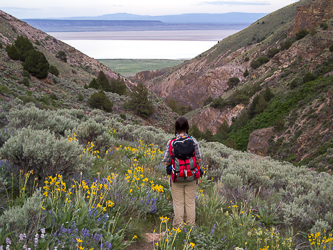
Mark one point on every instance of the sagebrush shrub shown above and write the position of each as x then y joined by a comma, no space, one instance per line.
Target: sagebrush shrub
91,131
16,219
42,152
41,119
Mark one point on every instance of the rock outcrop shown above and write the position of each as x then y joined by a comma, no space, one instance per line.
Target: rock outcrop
258,141
312,15
212,119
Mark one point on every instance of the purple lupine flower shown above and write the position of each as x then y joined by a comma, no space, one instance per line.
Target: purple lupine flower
8,241
21,237
108,245
36,239
213,229
84,232
1,247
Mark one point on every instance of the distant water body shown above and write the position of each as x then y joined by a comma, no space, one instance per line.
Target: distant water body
176,44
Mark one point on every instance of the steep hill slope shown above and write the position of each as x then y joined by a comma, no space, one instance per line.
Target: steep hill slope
76,69
272,52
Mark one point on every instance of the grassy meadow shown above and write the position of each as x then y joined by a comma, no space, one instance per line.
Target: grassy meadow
74,182
129,67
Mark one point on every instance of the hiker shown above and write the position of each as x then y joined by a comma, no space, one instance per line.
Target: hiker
182,156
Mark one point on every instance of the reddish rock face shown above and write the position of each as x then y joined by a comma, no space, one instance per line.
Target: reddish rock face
312,15
212,119
258,141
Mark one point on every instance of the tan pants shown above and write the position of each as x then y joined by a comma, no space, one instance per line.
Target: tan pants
183,196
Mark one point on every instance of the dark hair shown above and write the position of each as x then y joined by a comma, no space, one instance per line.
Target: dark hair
181,125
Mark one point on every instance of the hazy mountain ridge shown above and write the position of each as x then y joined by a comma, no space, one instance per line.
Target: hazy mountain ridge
197,18
306,136
50,25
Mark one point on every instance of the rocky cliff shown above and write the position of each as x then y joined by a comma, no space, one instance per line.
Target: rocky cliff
311,15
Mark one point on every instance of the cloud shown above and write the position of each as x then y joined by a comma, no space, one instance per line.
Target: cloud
235,3
18,8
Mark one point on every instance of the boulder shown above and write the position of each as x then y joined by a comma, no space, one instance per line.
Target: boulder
258,141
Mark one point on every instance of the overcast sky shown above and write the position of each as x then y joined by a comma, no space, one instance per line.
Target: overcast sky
71,8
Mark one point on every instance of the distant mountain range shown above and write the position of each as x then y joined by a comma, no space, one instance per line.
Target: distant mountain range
124,21
195,18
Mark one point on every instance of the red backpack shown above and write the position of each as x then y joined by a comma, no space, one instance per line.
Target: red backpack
184,167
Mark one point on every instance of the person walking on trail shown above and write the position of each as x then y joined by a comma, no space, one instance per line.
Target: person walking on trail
182,156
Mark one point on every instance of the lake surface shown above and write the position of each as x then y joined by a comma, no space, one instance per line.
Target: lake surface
183,44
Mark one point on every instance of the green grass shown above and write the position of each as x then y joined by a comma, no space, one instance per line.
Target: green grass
129,67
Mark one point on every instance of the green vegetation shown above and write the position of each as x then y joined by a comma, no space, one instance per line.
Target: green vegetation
331,48
233,82
36,64
80,97
301,34
272,52
120,191
118,86
286,45
61,55
246,73
102,82
176,107
324,25
34,61
260,61
94,84
270,115
53,70
139,102
100,101
129,67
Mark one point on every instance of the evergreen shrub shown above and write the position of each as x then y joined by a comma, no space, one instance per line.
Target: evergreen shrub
118,86
324,25
80,97
42,152
246,73
36,64
100,101
123,116
272,52
233,82
260,61
53,70
331,48
94,84
104,82
139,101
286,45
308,77
13,52
61,55
301,34
23,45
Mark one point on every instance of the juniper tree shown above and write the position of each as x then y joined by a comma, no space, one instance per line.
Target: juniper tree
139,101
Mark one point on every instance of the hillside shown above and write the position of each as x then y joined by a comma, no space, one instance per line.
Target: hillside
75,71
271,52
